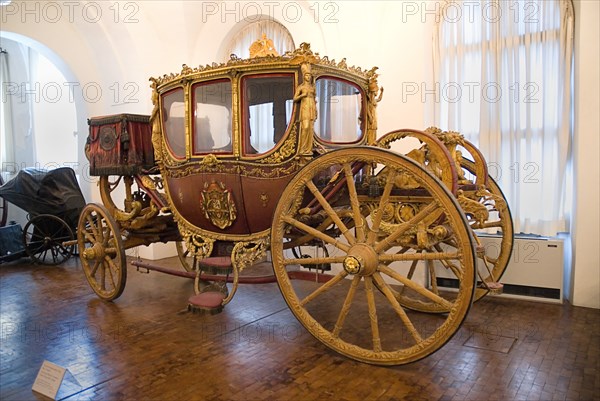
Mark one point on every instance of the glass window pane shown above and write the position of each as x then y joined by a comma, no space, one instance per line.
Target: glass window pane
173,121
339,106
268,101
212,117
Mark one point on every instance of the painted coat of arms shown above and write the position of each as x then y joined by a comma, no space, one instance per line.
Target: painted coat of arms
218,204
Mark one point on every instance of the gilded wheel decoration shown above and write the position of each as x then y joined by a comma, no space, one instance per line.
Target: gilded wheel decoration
359,311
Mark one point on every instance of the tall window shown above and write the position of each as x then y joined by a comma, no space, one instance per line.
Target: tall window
7,156
267,98
504,71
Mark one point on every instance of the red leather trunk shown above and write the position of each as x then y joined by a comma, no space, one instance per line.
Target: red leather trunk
120,144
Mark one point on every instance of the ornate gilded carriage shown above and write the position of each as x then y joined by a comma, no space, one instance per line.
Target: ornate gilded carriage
280,154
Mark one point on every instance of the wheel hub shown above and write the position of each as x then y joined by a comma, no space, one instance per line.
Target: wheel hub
352,264
361,260
95,252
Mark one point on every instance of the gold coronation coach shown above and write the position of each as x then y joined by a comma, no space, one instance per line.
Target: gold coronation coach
277,157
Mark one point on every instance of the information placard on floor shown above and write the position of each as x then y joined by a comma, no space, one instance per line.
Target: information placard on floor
49,379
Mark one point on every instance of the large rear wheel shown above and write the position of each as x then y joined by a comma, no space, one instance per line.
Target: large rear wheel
347,199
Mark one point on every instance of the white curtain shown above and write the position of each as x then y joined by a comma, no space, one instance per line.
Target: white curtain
261,121
504,80
339,106
7,149
240,43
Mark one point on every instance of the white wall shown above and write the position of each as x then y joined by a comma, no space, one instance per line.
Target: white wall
586,223
117,46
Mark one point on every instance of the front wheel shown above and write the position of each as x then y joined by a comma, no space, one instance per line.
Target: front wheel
101,252
347,199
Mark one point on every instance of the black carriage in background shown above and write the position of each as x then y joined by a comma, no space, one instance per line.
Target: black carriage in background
53,202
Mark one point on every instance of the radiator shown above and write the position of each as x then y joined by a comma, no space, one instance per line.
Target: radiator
534,272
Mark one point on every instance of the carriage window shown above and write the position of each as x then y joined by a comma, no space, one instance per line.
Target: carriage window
173,121
268,103
339,111
212,117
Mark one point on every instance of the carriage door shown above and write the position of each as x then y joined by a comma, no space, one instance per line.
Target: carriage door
267,106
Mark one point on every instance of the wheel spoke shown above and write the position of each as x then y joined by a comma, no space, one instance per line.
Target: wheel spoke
397,308
95,268
458,272
112,267
411,272
92,226
396,257
106,236
315,233
41,227
372,314
43,257
336,279
416,287
54,254
60,227
331,213
389,184
346,306
432,276
354,203
89,237
313,261
103,276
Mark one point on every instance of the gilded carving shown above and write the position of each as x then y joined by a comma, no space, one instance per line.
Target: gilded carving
374,94
218,205
264,199
286,150
306,94
243,169
452,139
302,54
263,47
155,122
198,245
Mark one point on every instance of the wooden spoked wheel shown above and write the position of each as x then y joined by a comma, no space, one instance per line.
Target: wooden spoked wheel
101,252
494,261
357,312
43,238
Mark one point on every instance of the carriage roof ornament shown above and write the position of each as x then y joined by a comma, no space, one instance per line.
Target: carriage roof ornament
263,47
264,53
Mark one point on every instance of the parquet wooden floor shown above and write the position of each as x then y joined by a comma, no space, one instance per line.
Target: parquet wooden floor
146,346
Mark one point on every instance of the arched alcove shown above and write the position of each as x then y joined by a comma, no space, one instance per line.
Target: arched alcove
47,102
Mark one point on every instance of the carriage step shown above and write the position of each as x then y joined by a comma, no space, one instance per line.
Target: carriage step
216,265
210,302
494,287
